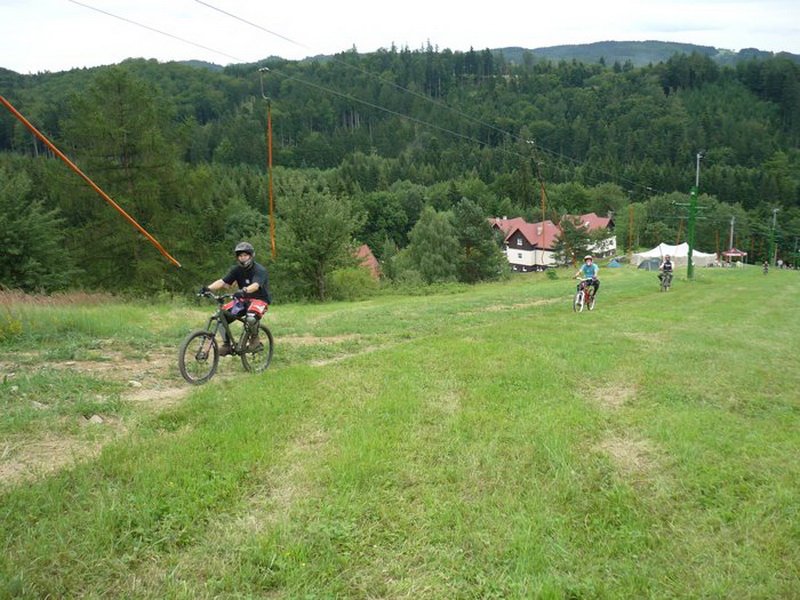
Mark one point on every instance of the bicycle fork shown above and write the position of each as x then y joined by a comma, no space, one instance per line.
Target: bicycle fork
205,348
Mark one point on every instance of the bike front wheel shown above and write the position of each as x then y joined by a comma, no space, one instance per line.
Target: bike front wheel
590,302
257,358
577,305
198,357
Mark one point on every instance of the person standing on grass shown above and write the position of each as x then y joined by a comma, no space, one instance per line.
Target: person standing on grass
252,279
665,268
588,271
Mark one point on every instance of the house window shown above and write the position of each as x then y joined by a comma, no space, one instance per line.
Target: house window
519,241
519,254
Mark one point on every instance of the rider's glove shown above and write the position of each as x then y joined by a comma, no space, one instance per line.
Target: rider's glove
204,290
238,295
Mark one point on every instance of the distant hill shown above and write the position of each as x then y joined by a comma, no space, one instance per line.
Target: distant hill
638,53
201,64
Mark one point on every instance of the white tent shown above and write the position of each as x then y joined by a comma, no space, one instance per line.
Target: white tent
679,255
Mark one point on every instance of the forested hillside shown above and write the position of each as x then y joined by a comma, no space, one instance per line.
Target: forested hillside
638,54
384,149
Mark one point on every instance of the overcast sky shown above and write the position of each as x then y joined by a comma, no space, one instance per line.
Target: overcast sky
57,35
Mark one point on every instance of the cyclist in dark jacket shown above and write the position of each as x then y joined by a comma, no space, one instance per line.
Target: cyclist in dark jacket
252,279
665,268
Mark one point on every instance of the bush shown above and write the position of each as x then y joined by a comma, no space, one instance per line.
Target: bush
10,327
352,283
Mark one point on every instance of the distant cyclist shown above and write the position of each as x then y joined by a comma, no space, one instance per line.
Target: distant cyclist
588,272
665,268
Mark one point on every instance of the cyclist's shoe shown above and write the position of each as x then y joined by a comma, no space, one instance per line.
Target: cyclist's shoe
254,345
225,349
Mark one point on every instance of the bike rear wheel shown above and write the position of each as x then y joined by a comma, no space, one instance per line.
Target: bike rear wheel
577,305
257,359
198,357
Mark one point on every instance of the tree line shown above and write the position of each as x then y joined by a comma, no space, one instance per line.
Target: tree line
407,151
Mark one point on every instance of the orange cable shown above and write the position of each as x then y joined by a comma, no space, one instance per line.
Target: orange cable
91,183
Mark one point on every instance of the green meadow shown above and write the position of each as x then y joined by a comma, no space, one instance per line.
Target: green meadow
468,442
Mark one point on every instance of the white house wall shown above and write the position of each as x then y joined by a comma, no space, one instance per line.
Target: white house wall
526,260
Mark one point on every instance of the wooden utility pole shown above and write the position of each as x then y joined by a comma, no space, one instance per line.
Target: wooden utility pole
630,233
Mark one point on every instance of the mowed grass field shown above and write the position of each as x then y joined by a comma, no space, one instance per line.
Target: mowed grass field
479,442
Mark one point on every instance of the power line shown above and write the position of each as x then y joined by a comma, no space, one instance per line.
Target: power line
314,85
441,105
513,136
169,35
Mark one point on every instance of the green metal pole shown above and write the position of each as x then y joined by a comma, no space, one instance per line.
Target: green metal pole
690,232
773,246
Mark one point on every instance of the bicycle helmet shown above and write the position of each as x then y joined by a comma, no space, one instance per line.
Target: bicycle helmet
588,257
246,247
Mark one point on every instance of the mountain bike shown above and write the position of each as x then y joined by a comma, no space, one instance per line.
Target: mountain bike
666,280
198,355
584,296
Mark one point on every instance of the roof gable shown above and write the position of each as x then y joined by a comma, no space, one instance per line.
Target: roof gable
593,222
368,260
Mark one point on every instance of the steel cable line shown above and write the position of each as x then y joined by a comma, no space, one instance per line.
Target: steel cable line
390,111
314,85
440,105
475,120
170,35
369,73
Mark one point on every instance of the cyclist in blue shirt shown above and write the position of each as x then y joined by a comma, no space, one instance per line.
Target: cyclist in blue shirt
588,271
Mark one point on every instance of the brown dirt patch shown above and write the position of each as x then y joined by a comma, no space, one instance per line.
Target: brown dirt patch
151,382
517,306
323,362
312,340
614,397
632,457
24,460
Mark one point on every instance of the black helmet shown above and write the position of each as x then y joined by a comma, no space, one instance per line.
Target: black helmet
248,248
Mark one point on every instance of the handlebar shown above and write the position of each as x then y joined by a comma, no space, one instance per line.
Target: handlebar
218,299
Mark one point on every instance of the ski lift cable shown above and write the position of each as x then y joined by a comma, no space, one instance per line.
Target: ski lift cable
442,105
86,178
434,102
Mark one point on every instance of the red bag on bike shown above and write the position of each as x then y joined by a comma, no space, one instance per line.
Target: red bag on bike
257,308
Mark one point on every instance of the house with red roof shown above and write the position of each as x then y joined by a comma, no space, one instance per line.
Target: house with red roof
529,246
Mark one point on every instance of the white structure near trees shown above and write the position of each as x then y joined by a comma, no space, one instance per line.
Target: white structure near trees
679,255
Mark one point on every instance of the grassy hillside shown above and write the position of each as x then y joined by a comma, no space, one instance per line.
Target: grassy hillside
476,443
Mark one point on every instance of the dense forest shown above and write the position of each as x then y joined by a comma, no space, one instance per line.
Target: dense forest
407,151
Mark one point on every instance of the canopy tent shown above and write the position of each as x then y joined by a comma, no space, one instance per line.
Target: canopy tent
678,254
734,253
